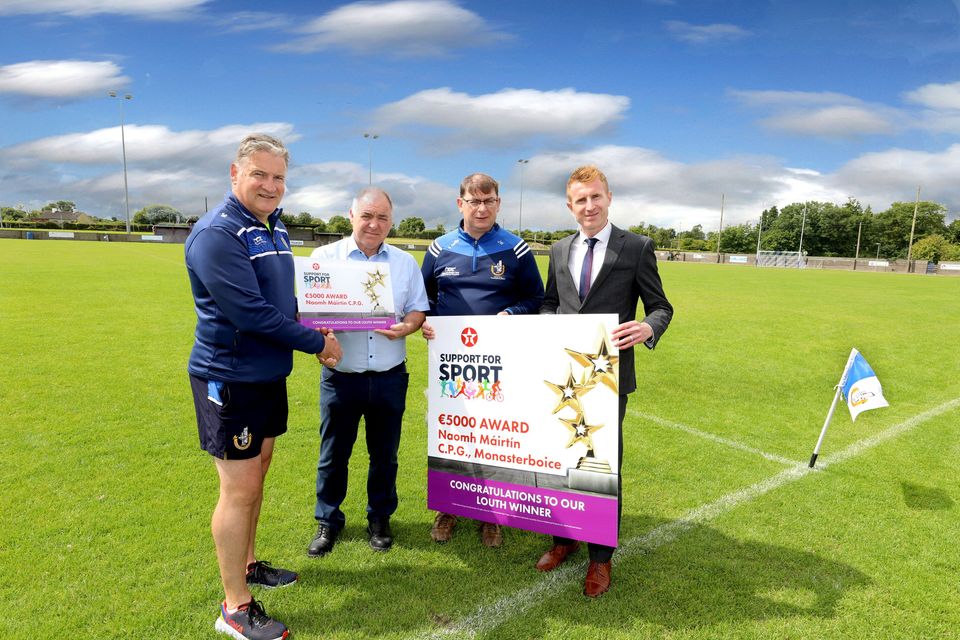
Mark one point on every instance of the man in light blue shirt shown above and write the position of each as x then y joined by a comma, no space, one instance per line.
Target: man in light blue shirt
371,382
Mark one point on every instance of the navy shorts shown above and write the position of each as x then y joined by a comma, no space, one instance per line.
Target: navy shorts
233,418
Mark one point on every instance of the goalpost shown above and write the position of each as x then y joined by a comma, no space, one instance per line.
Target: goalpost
787,259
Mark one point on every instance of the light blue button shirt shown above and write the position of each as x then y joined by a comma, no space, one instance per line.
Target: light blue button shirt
366,350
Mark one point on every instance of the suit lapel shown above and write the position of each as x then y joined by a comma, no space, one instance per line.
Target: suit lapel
565,245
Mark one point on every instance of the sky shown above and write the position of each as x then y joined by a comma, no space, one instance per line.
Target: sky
683,104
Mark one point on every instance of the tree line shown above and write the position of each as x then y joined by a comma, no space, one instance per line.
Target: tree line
827,229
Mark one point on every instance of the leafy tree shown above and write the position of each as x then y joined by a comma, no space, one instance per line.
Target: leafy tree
953,231
157,213
304,218
935,248
11,213
893,225
411,227
339,224
769,217
319,226
740,238
61,205
662,237
694,234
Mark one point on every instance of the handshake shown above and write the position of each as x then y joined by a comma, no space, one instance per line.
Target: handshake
332,352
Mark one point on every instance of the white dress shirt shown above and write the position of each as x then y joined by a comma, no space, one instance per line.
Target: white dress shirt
366,350
579,248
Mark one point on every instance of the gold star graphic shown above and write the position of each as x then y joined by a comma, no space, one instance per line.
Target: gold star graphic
569,393
580,431
376,277
603,366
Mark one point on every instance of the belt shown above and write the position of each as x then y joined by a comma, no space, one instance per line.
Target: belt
400,368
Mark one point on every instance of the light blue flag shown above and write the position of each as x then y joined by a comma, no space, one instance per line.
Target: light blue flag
860,386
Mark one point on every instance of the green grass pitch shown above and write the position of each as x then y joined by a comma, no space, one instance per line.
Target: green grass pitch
106,498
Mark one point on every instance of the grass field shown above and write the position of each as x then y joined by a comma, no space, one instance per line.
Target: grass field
106,497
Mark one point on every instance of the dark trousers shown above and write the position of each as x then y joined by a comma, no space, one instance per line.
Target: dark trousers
380,398
599,552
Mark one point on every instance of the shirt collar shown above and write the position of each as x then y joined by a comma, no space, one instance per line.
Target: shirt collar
603,237
352,246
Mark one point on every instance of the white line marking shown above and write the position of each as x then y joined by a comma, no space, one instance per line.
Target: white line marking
488,617
706,435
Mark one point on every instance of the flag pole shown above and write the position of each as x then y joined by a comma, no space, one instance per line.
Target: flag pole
833,406
823,432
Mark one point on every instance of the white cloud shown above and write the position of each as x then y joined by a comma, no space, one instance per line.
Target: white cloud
840,121
144,143
244,21
936,96
705,33
60,78
82,8
183,168
402,28
893,175
506,116
774,98
942,102
823,114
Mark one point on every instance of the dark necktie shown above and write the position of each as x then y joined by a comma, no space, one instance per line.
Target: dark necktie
587,270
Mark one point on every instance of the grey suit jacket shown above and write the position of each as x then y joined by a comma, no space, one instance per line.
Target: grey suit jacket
629,273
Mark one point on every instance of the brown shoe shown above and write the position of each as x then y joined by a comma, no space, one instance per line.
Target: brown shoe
555,557
490,534
598,579
443,526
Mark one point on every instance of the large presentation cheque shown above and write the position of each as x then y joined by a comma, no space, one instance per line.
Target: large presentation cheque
523,420
344,295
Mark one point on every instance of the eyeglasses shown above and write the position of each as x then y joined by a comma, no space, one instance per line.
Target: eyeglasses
475,204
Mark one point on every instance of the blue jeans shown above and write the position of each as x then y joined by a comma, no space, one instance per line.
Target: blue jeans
380,399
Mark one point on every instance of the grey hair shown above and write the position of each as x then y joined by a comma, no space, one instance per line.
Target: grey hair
369,193
261,142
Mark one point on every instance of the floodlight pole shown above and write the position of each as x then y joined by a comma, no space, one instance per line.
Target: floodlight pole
857,256
720,232
123,148
370,138
913,226
803,224
756,259
522,162
878,251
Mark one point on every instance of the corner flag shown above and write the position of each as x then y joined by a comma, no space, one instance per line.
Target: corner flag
860,386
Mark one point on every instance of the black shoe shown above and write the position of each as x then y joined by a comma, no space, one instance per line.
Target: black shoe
379,534
263,574
323,541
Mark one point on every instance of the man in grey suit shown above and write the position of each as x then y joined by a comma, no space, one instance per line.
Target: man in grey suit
603,269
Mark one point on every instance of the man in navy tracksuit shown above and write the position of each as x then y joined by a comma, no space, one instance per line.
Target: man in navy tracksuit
479,269
241,273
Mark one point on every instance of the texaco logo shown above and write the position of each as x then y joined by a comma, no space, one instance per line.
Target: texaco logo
469,337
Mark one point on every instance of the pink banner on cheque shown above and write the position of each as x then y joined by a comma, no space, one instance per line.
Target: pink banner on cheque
348,324
579,516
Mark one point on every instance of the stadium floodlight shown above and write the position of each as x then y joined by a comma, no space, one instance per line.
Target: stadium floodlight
370,138
522,162
123,148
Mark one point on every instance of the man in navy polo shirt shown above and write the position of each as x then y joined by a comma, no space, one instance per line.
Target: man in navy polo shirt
242,276
480,268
